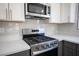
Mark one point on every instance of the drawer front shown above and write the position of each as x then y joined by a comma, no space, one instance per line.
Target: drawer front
69,44
23,53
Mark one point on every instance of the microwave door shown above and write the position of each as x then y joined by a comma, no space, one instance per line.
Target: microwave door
36,8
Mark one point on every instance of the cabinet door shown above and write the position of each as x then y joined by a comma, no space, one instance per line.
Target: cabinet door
77,49
65,12
55,13
3,11
73,12
22,53
69,49
16,11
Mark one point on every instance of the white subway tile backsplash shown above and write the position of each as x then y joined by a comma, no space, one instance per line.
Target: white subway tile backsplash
50,29
68,29
8,27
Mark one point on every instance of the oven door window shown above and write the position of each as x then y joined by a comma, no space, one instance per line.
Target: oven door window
36,8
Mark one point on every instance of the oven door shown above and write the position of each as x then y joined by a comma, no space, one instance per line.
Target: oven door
40,51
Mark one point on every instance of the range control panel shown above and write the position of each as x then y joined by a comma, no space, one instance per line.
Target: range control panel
45,46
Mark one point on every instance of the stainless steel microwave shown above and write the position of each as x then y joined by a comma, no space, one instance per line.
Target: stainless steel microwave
37,10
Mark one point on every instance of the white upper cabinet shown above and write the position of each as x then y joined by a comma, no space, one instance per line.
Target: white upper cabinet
62,13
3,11
16,11
55,13
73,12
12,12
65,12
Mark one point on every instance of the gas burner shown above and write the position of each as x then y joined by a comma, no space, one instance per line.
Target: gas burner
42,38
38,39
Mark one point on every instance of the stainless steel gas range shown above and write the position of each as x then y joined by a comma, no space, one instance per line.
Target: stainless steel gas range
39,43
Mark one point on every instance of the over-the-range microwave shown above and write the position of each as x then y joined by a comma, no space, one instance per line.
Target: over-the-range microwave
36,10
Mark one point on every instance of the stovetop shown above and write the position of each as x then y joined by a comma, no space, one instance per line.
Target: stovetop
37,39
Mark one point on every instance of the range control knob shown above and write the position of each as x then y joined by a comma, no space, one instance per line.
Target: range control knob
37,48
44,46
55,42
51,44
47,46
